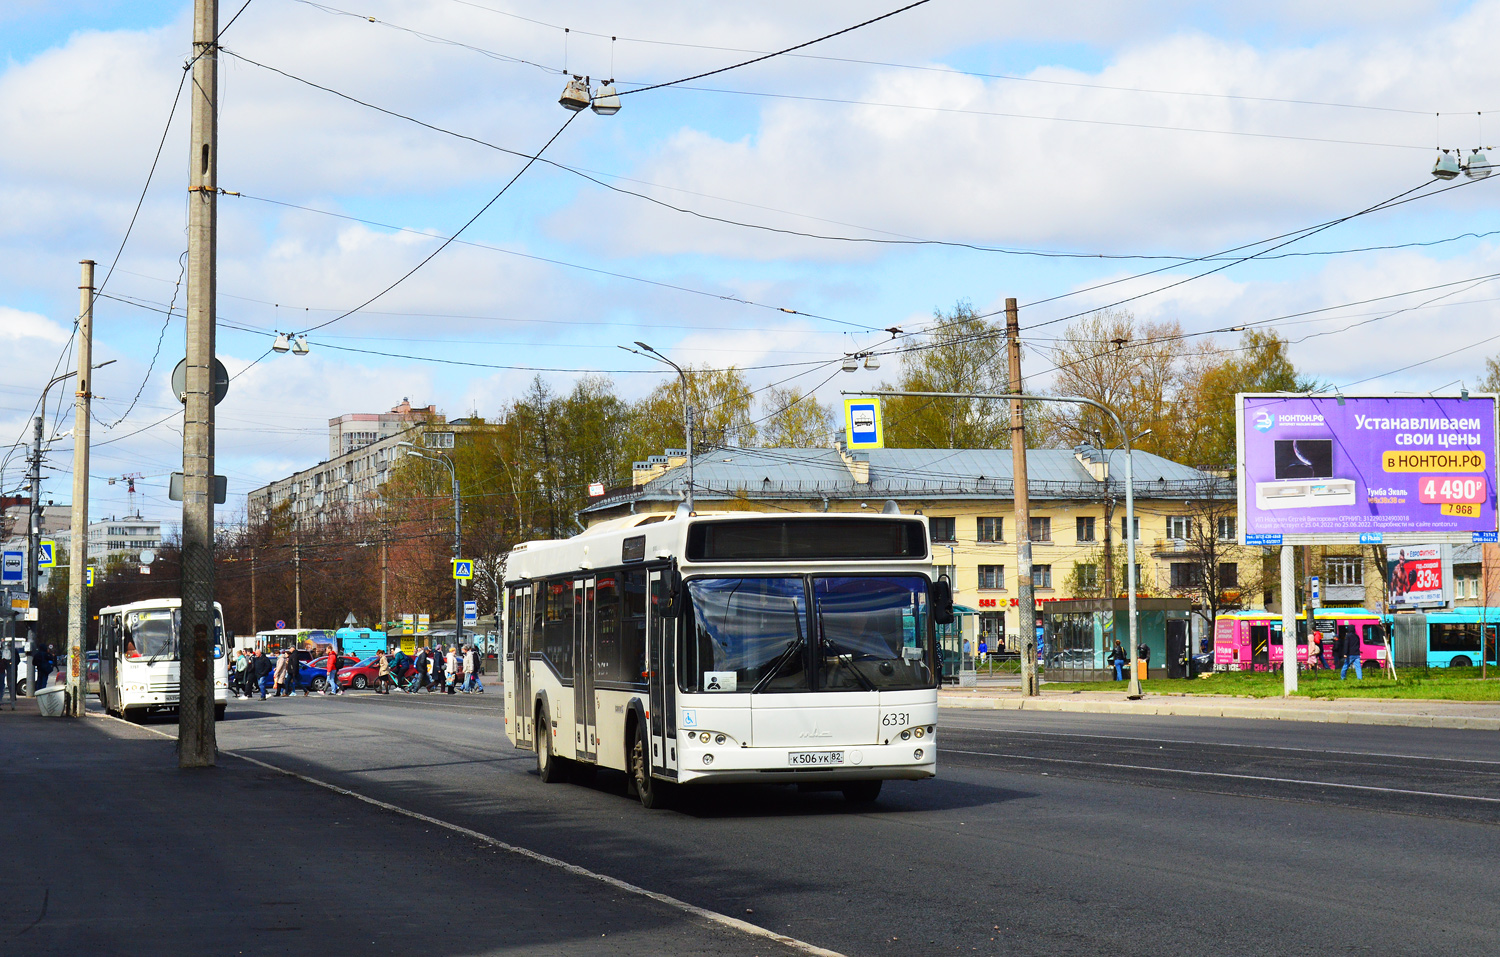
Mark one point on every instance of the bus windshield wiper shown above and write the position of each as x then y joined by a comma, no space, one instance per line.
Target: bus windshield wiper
790,653
846,659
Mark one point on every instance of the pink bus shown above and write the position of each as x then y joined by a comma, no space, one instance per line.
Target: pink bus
1251,640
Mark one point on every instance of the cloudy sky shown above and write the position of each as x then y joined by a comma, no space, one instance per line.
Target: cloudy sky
961,150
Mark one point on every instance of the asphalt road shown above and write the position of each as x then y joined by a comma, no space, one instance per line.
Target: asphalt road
1043,834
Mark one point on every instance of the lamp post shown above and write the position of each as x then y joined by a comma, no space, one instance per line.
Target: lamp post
458,595
1135,680
687,409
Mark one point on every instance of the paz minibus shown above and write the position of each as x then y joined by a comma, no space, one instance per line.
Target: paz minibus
1251,640
693,649
138,658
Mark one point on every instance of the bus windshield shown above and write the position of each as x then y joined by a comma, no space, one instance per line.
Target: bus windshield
868,633
151,634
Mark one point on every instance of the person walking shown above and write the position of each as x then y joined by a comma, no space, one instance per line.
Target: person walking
331,686
278,677
260,670
471,671
44,659
435,670
382,673
1349,645
450,666
294,673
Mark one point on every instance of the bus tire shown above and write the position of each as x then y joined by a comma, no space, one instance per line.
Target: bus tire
1373,666
862,792
133,715
1461,661
549,767
653,794
219,710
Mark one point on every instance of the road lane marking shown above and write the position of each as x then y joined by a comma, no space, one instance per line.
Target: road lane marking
703,913
1227,774
1222,744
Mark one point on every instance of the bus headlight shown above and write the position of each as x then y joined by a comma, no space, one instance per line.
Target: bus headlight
917,754
906,735
919,732
720,739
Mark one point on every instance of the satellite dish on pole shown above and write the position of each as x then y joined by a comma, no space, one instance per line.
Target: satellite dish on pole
147,556
350,620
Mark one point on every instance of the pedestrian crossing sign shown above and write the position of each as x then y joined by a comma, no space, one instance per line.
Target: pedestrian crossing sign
463,569
46,553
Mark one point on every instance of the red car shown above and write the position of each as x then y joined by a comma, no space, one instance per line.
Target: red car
360,675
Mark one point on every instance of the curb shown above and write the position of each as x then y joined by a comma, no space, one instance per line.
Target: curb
1200,710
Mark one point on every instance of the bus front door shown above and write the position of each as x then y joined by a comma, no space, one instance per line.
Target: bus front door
520,632
1260,647
1491,645
661,663
586,731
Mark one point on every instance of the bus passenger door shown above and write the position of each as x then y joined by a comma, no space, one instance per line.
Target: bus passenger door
583,668
1491,645
1260,647
661,662
520,638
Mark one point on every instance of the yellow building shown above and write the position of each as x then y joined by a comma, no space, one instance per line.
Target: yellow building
1185,518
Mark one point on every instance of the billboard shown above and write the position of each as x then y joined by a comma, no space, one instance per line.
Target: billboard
1417,576
1366,469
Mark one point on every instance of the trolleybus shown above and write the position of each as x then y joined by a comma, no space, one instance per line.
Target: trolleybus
1460,638
687,650
138,658
1251,640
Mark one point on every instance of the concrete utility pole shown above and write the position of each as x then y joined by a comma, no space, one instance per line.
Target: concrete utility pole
1288,624
33,541
384,569
252,589
1025,592
196,741
297,580
78,553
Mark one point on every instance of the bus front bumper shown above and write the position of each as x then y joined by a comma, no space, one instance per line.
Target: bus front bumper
707,764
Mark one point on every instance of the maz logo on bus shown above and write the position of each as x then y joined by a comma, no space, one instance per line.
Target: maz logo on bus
815,733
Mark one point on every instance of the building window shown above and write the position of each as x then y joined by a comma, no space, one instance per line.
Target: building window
1124,581
1229,575
1186,575
1228,530
992,577
1179,527
1041,529
1344,571
1124,533
1085,529
1041,575
1088,576
992,529
943,529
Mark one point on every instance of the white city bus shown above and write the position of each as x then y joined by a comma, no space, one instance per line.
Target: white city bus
689,650
138,658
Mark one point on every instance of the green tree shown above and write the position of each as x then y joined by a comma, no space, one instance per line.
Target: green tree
961,353
794,420
1260,364
1491,380
721,402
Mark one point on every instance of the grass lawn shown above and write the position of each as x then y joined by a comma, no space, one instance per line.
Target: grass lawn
1447,684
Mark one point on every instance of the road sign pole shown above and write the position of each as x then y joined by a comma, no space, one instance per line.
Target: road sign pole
78,604
1288,624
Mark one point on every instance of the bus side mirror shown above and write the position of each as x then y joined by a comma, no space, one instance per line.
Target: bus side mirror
669,605
942,602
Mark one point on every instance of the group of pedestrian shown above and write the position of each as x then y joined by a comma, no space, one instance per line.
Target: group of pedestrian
454,670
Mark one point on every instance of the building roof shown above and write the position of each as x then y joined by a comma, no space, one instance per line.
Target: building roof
918,474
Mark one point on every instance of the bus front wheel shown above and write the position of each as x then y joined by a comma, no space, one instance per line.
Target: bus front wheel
862,792
651,792
219,710
549,767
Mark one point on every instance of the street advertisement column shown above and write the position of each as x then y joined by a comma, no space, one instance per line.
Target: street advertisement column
1366,469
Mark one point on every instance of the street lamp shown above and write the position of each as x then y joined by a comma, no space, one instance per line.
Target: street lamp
576,96
687,410
458,598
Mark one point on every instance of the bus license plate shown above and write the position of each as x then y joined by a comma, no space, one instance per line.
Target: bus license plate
802,759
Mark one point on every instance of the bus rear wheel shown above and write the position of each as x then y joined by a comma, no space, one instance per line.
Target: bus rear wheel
549,767
862,792
1461,661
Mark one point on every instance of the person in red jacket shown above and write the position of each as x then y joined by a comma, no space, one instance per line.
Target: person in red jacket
332,686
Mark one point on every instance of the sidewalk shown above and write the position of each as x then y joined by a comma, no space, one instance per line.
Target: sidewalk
114,850
1466,715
